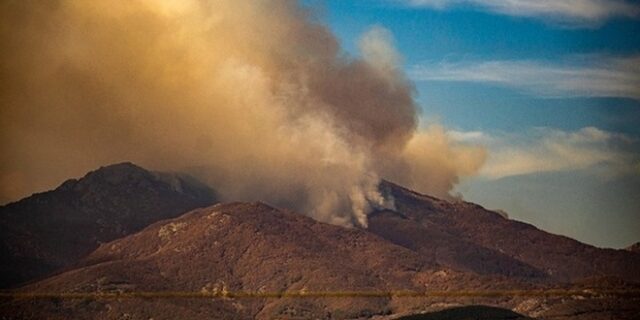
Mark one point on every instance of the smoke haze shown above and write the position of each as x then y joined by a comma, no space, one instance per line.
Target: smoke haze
254,97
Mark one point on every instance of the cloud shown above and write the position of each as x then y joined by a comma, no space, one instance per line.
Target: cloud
377,47
473,137
554,150
573,12
254,97
589,76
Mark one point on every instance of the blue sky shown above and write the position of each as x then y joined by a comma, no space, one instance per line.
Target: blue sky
551,89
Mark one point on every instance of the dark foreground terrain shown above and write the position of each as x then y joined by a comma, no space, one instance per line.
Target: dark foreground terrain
469,312
427,258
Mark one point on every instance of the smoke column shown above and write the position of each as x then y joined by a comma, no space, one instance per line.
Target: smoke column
254,97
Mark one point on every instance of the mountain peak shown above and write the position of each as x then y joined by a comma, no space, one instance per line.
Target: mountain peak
118,170
53,229
112,174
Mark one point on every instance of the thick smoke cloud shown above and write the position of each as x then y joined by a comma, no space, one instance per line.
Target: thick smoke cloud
254,97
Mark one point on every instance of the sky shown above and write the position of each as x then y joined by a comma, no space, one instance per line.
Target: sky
550,88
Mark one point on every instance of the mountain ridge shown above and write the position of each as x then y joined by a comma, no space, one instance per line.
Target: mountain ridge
424,244
51,230
557,256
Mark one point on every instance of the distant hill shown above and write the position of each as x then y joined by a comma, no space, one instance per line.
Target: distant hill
52,230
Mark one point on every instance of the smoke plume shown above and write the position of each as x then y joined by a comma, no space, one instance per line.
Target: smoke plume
254,97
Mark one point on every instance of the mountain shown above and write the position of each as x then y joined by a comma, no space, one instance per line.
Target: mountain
203,263
248,247
52,230
227,249
466,236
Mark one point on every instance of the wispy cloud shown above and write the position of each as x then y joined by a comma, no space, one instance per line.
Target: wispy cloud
591,76
553,150
469,136
574,12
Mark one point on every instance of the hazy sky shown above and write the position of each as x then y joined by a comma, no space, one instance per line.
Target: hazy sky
551,88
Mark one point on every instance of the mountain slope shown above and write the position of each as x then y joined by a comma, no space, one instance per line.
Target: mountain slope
248,247
466,236
51,230
438,244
